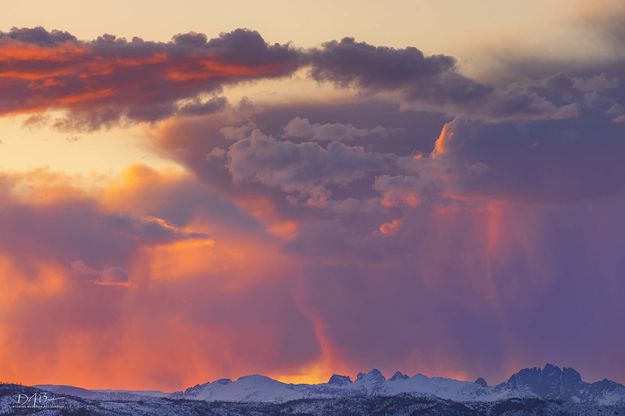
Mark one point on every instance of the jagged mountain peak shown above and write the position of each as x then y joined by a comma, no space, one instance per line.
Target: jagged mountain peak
480,381
549,373
399,376
373,375
550,382
339,380
553,382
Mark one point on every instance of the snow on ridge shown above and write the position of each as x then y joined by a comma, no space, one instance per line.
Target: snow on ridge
128,395
259,388
253,388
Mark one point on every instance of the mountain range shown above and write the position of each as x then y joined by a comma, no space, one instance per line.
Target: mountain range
548,383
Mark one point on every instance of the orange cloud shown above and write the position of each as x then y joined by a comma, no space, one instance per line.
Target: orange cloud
390,227
23,51
109,80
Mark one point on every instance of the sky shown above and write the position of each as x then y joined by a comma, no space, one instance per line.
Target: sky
194,190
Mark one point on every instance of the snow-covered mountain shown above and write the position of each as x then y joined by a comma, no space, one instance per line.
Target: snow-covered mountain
15,399
129,395
550,383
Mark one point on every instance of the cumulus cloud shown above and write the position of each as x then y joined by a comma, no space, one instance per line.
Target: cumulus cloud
304,168
302,128
110,79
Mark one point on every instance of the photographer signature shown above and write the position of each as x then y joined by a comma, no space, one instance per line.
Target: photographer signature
36,400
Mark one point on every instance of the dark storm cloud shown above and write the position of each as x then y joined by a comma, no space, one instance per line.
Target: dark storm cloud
545,160
347,61
490,291
433,81
482,246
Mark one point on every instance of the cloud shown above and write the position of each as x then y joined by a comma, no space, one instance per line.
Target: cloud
202,108
406,131
290,165
111,275
460,284
430,82
132,328
399,190
108,80
308,172
603,20
390,227
549,160
347,61
39,36
473,237
178,199
73,225
285,173
111,80
302,128
108,277
306,235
